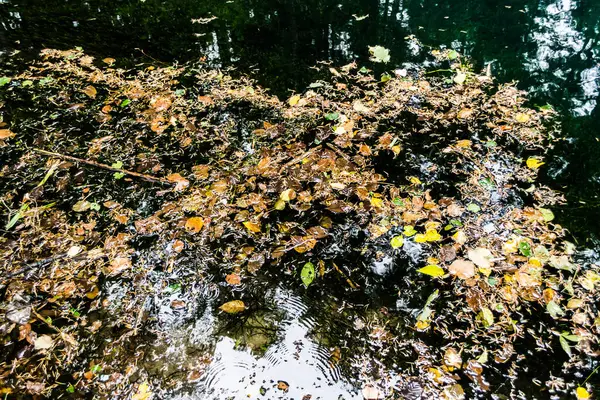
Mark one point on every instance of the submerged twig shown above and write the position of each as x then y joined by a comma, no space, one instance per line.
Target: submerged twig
149,178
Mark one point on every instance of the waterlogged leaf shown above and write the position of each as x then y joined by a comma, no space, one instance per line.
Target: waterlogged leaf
525,248
554,310
308,273
432,270
252,226
534,163
397,242
379,54
332,116
547,214
474,208
233,307
294,100
565,345
463,269
486,316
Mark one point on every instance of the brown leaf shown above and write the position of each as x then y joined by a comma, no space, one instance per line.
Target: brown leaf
194,224
6,134
206,100
233,279
233,307
180,182
160,103
118,265
462,268
90,91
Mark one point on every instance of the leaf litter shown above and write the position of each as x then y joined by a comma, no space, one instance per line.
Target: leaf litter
278,187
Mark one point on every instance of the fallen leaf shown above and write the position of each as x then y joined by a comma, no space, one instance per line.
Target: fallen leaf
118,265
180,182
534,163
432,270
233,307
371,393
194,224
397,242
288,195
90,91
521,117
283,385
143,392
294,100
582,393
43,342
252,226
463,269
233,279
308,273
6,134
481,257
463,114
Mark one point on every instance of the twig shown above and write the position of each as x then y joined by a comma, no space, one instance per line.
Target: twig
149,178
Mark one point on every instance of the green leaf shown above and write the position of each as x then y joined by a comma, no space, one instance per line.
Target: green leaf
125,103
117,165
4,80
452,55
474,208
308,273
432,270
487,183
486,316
565,345
397,242
70,389
95,206
385,77
572,338
491,143
460,77
27,83
75,312
332,116
119,175
13,221
547,214
379,54
96,368
398,202
363,70
554,310
46,80
525,248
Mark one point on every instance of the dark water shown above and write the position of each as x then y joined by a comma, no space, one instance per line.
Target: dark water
550,46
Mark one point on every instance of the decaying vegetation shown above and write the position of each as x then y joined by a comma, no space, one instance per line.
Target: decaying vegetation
126,179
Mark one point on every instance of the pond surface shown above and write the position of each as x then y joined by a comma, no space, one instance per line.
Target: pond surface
551,47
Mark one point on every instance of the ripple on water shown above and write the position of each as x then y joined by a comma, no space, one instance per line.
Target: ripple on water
296,359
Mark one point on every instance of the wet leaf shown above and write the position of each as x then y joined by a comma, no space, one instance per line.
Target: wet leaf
432,270
280,205
554,310
332,116
233,279
252,226
90,91
409,230
565,345
43,342
4,80
463,269
452,55
180,182
582,393
397,242
6,134
82,206
288,195
379,54
118,265
547,214
525,248
431,235
481,257
308,273
233,307
143,392
534,163
124,103
194,224
486,316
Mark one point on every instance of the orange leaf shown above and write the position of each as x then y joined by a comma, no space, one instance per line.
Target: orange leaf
6,134
180,181
90,91
194,224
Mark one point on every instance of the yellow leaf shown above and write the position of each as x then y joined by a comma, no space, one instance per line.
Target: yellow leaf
414,180
521,117
409,230
534,163
397,241
90,91
233,307
280,205
194,224
460,237
288,195
464,143
376,202
432,236
252,226
420,238
294,100
143,392
432,270
582,393
422,325
464,113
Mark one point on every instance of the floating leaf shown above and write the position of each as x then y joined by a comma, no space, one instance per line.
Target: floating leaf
308,273
554,310
486,316
474,208
294,100
233,279
379,54
233,307
4,80
431,235
252,226
432,270
180,182
547,214
534,163
397,242
194,224
462,268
